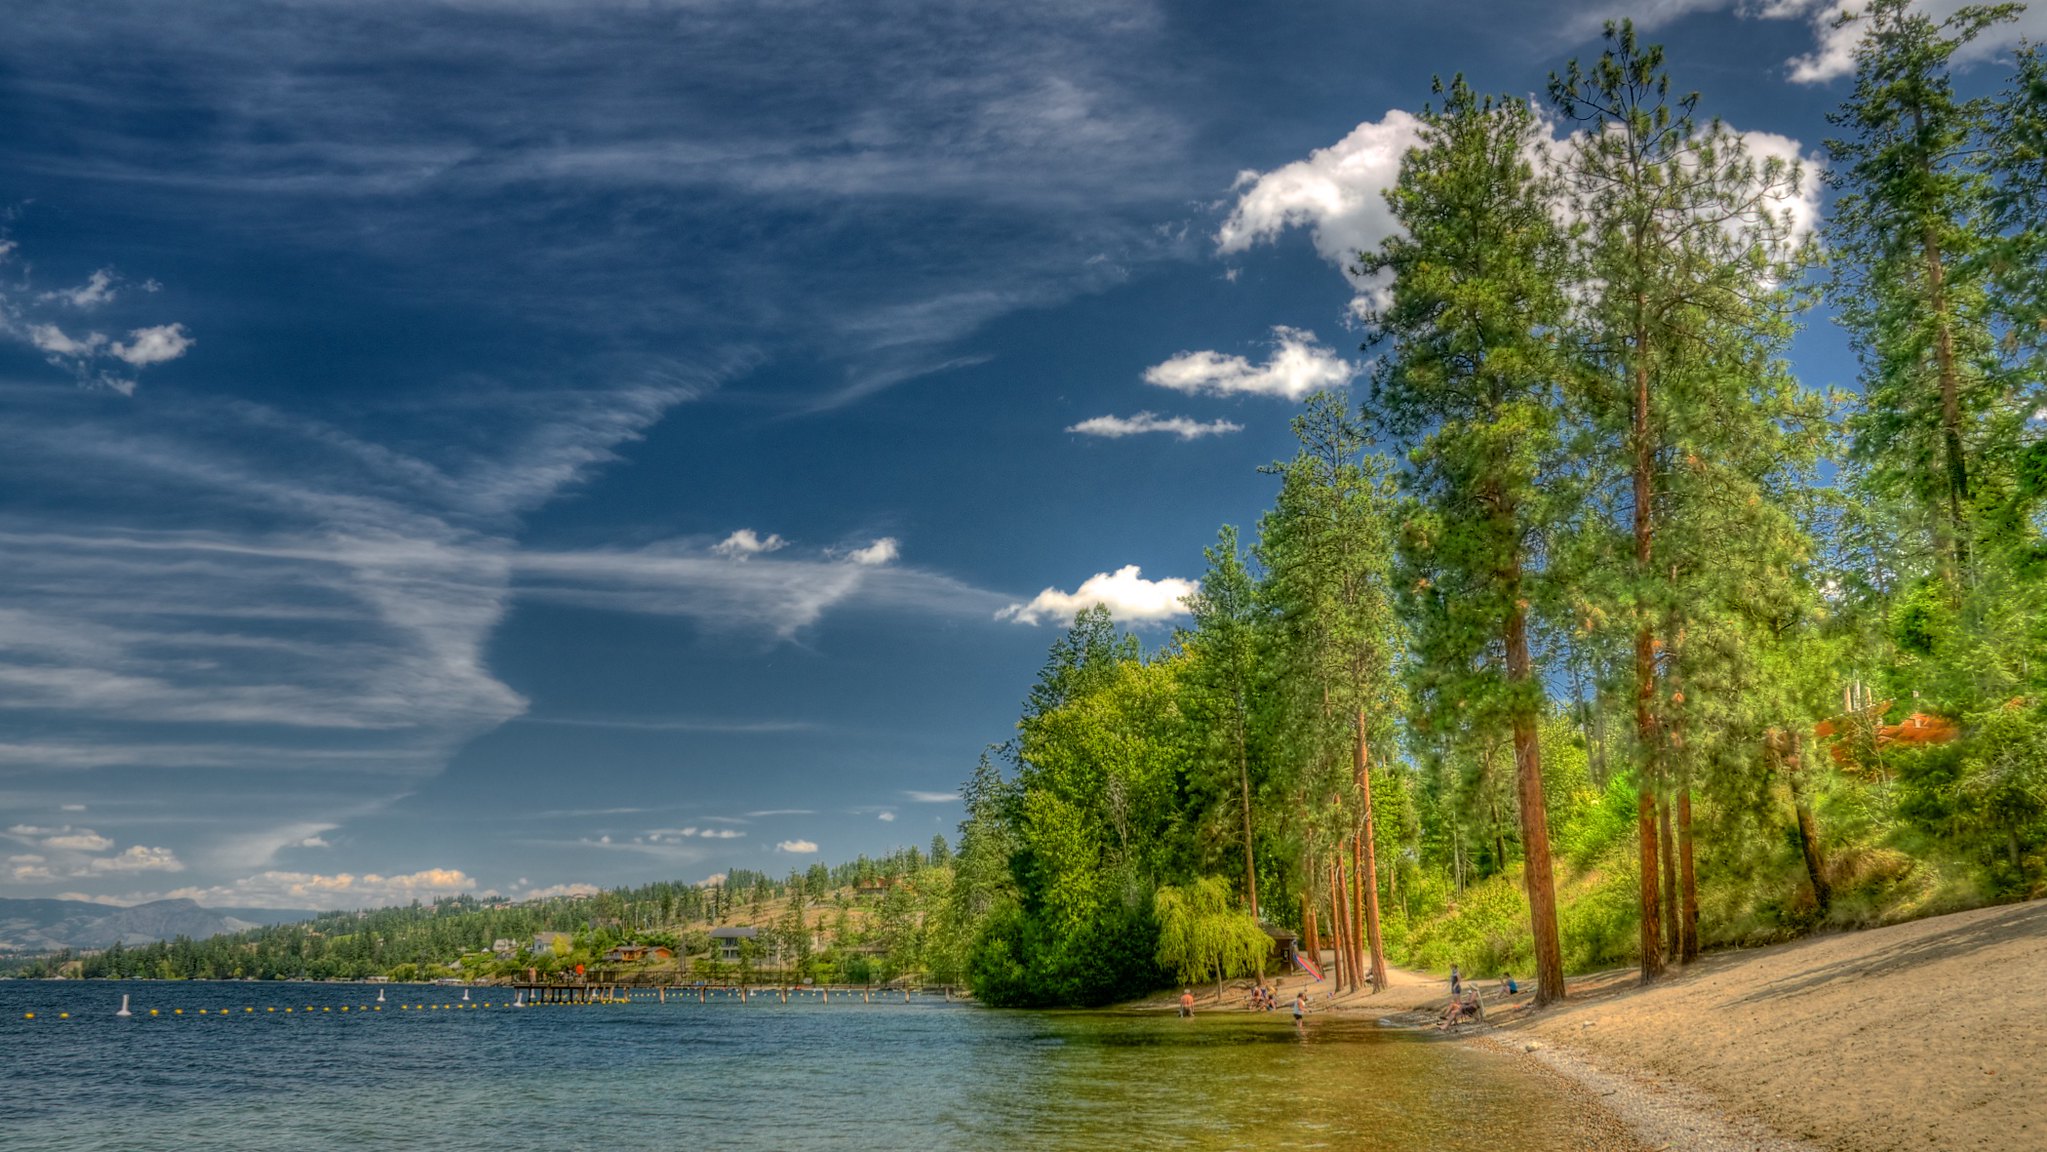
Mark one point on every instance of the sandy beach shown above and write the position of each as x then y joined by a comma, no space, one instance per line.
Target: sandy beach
1909,1037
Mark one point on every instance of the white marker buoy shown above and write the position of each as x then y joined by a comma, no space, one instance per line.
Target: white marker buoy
465,994
124,1006
380,995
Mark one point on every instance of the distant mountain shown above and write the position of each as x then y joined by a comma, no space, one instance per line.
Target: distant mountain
48,925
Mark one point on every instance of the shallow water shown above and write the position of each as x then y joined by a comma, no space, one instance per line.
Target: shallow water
762,1075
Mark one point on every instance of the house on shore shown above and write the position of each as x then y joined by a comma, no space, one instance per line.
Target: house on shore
635,953
552,943
725,942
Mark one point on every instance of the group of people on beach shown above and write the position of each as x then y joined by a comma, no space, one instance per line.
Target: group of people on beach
1464,1001
1262,999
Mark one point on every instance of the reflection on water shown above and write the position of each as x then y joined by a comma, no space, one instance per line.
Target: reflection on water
757,1076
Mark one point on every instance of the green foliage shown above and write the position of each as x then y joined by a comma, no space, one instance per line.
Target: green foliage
1201,937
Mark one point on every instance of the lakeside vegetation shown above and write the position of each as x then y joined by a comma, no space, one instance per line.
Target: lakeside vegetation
858,922
1594,635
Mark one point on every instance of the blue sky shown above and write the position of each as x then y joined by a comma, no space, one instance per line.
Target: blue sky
495,445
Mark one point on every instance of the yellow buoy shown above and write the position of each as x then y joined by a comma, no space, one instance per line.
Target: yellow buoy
63,1015
28,1015
326,1009
152,1011
177,1011
248,1009
269,1009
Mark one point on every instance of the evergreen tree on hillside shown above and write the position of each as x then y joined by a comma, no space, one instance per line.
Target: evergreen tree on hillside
1327,549
1685,254
1472,381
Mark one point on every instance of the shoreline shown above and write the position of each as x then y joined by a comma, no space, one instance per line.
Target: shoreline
1891,1039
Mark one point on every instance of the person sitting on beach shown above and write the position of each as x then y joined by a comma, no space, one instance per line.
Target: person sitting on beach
1187,1003
1459,1010
1513,989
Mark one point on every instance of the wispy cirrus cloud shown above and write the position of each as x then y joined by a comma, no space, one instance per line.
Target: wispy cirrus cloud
1186,428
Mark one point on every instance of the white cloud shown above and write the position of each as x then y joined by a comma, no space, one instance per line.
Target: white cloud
931,797
1125,593
1833,52
797,847
146,346
1117,427
712,881
138,859
1338,193
83,840
1298,365
556,891
33,830
30,873
337,890
886,817
50,338
71,807
315,842
98,289
746,542
659,834
880,552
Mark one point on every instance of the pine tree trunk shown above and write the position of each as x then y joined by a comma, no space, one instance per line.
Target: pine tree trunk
1668,844
1308,936
1368,879
1357,902
1950,378
1250,860
1645,668
1815,864
1345,979
1347,894
1688,882
1537,872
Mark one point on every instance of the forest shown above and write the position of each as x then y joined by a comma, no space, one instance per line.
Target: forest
1588,634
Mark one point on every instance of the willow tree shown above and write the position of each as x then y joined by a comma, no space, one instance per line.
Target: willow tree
1221,680
1687,245
1201,937
1327,551
1911,226
1472,380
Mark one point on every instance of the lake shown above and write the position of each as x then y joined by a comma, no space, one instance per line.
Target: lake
762,1075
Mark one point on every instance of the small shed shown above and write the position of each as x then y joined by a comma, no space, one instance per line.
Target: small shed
1284,944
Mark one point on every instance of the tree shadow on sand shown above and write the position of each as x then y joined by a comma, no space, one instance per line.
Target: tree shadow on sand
2020,921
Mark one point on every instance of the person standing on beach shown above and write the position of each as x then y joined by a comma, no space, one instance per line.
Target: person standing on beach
1456,982
1300,1006
1187,1003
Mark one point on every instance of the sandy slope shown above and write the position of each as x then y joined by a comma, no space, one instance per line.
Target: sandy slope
1926,1035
